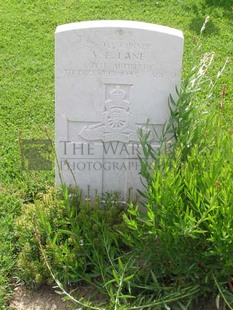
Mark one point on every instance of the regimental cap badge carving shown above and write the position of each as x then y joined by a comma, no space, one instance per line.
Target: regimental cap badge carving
117,96
118,122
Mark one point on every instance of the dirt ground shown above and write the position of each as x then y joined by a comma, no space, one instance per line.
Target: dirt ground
43,298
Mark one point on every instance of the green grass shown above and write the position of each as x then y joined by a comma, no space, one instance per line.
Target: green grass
27,78
9,208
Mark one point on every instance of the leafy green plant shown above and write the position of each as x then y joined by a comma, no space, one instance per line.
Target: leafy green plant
185,235
72,232
80,241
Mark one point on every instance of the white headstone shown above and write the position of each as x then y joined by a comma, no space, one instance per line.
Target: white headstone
111,77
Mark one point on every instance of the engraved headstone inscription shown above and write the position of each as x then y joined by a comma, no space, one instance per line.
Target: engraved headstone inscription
111,78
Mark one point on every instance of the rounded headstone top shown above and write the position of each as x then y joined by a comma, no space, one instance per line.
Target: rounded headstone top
119,24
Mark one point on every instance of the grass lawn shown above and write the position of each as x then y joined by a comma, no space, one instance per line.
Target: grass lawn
27,80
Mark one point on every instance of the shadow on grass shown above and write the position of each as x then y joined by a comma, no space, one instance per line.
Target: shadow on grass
220,3
221,7
197,23
227,5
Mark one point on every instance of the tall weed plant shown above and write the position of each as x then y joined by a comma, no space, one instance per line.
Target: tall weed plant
185,235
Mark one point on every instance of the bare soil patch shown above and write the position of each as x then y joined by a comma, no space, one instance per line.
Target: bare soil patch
44,298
